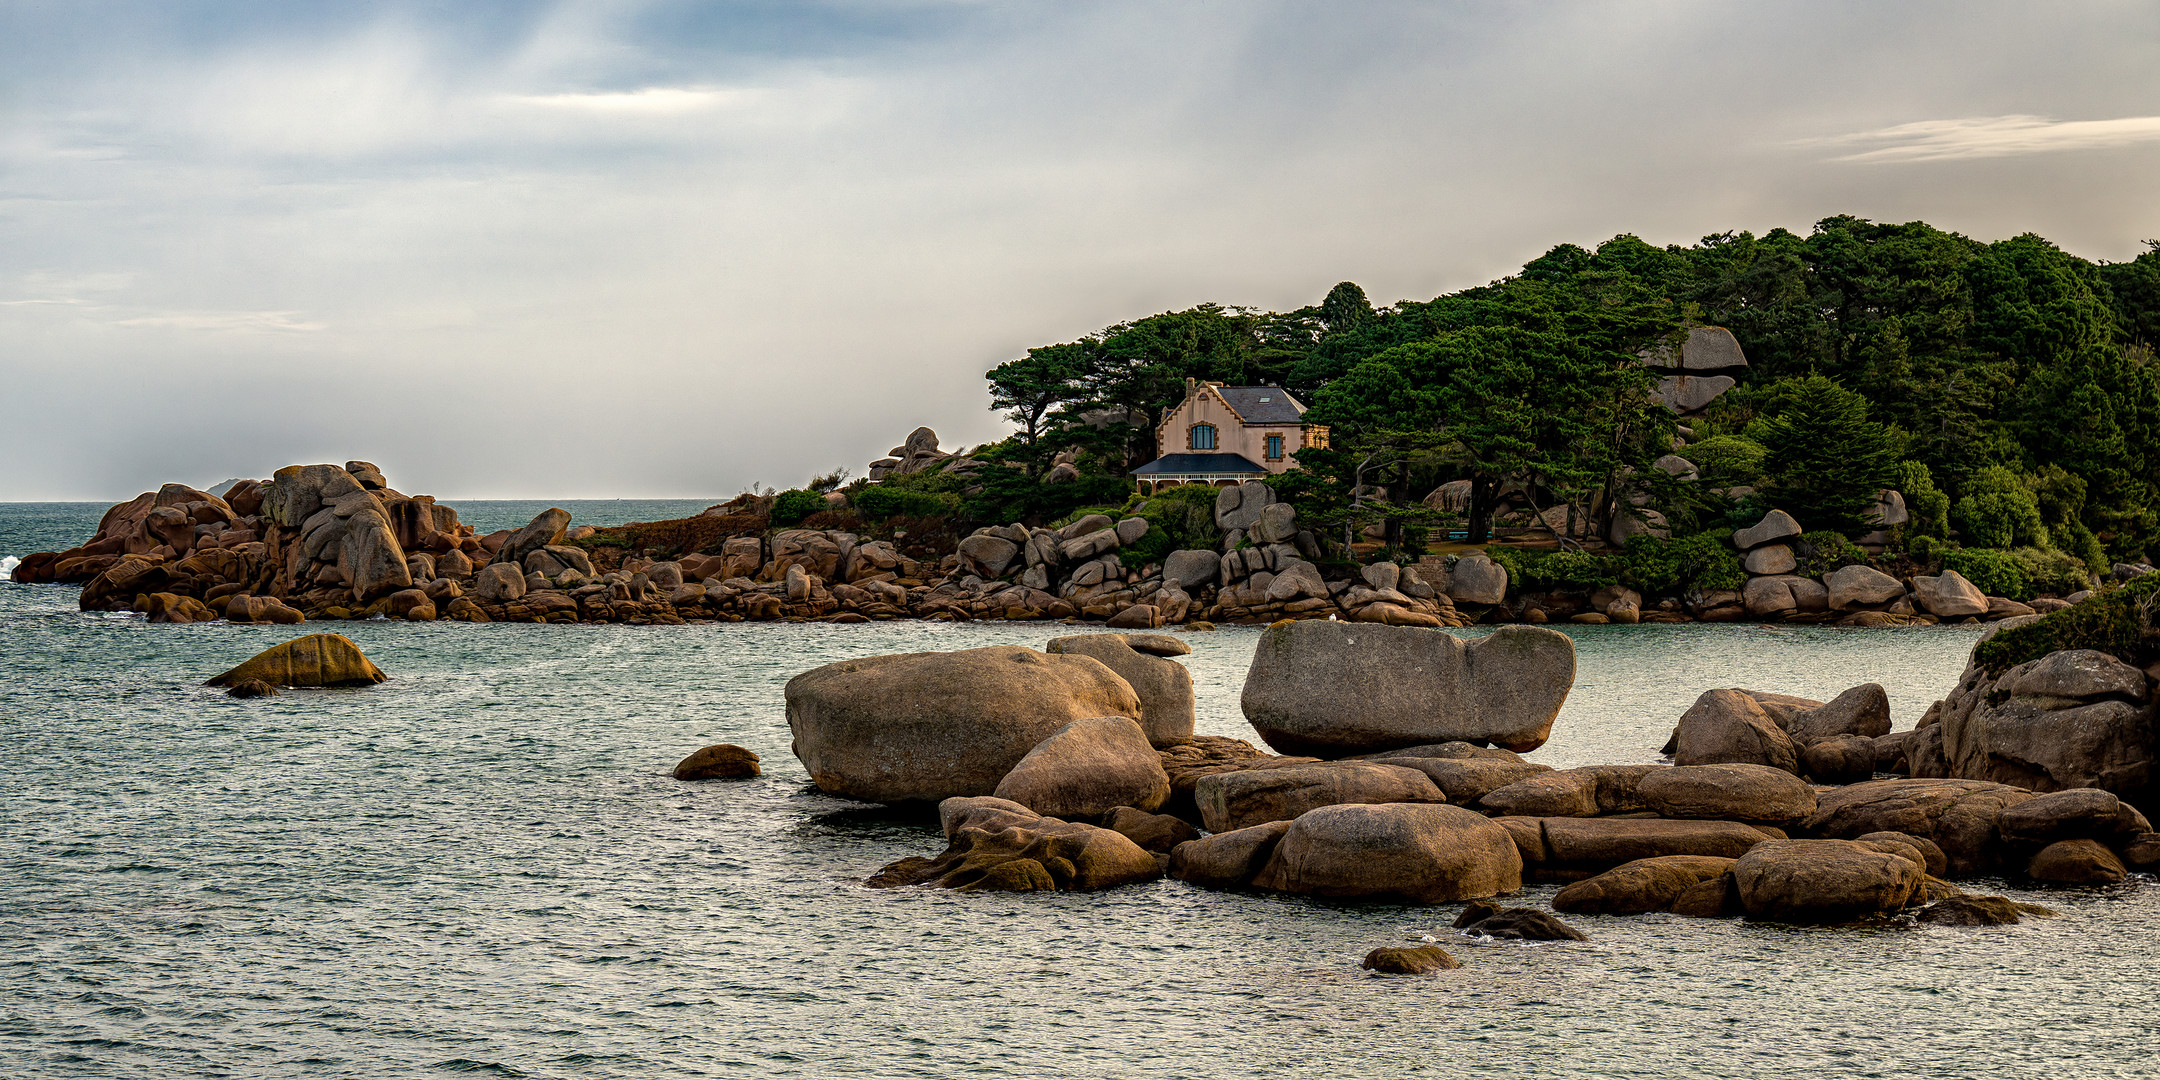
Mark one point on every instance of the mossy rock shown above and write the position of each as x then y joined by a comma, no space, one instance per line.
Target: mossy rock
314,660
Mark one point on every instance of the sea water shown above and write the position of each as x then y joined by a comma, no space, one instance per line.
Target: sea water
484,866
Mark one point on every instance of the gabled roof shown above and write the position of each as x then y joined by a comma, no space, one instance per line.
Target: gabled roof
1201,464
1262,404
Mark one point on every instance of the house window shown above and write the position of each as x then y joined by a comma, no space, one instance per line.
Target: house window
1274,448
1203,436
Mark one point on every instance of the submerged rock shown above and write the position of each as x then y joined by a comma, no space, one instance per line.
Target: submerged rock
722,761
1645,885
999,846
1405,960
1519,924
1979,911
314,660
251,688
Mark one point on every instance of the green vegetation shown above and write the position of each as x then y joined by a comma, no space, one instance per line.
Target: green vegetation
790,507
2116,622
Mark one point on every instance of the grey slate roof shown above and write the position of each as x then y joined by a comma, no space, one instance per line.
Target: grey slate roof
1212,464
1278,408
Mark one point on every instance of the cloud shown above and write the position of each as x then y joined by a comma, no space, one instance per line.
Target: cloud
650,101
222,321
1993,136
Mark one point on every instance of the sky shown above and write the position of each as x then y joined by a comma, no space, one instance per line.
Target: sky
654,249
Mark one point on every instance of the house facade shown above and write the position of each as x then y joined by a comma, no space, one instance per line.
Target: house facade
1222,435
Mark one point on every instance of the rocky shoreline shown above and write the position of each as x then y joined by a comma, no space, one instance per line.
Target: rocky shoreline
324,542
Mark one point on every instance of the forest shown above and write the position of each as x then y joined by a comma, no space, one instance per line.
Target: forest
2007,389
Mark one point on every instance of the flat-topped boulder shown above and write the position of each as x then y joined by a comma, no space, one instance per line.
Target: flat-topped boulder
1422,853
1962,817
1735,792
936,725
1334,689
1824,881
1775,525
1597,844
314,660
1235,800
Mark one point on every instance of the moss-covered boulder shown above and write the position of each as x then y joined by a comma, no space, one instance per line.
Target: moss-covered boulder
314,660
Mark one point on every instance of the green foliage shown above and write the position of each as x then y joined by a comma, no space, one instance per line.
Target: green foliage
1996,573
1704,561
791,506
881,501
2113,622
1999,511
1824,459
1927,507
1152,548
2049,571
1727,459
1825,550
1531,569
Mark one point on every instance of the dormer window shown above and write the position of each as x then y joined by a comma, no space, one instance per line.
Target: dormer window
1203,437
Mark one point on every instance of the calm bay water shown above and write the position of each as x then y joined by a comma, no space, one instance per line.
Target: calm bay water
483,866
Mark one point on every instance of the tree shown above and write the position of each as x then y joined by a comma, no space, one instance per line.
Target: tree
1824,459
1029,388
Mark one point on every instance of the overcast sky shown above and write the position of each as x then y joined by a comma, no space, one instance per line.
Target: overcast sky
667,249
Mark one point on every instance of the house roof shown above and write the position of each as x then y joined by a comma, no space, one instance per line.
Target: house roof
1262,404
1201,465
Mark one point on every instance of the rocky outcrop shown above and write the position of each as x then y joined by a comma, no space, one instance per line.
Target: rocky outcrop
722,761
2077,718
1142,660
1331,689
314,660
1961,817
932,726
999,846
1227,860
1736,792
1088,768
1566,849
1421,853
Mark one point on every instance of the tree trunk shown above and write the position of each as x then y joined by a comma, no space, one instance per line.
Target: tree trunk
1481,508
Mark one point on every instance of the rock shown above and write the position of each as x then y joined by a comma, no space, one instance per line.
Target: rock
1568,793
1859,586
2076,862
2072,719
1331,688
1640,886
251,688
1238,507
1730,727
1930,857
1771,559
1775,525
1164,686
2069,815
936,725
2075,675
1410,960
1521,924
1136,617
1235,800
1978,911
988,556
1465,781
1382,575
1960,816
1599,844
2004,608
1730,791
1160,833
722,761
1689,393
498,583
1227,860
1862,710
996,846
1422,853
1088,768
1948,595
1276,524
544,531
1823,881
1191,569
1476,579
1769,597
314,660
1839,759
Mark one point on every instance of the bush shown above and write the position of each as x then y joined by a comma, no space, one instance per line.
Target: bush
794,505
2113,622
879,502
2050,571
1557,569
1996,573
1704,561
1823,551
1999,511
1727,458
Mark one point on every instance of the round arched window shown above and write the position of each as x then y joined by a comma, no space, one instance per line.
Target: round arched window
1203,436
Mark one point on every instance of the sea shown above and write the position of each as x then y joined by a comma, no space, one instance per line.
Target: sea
484,867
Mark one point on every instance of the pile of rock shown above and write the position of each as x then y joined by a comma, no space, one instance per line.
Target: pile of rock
1852,595
2076,718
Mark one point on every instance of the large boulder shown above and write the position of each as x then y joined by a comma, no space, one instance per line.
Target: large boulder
1164,686
1191,569
1583,792
1087,769
989,556
1858,586
544,531
1476,579
1824,881
1949,595
1466,780
1775,525
1331,689
1599,844
1862,710
1962,817
2079,813
1235,800
314,660
2076,718
1227,860
930,726
2076,862
1731,791
1641,886
1423,853
995,845
1239,507
1730,726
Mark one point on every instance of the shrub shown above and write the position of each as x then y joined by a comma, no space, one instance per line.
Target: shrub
879,502
1704,561
2050,571
1927,507
1823,551
1557,569
794,505
1996,573
2113,622
1999,511
1727,458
